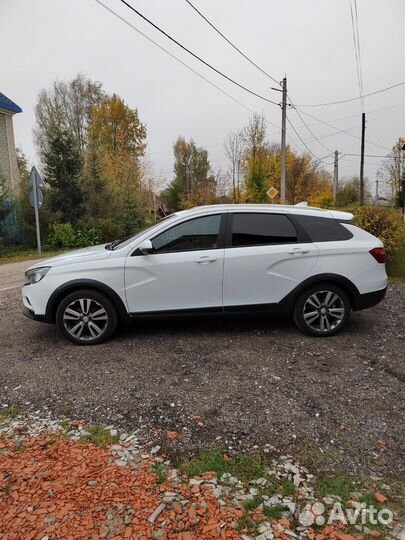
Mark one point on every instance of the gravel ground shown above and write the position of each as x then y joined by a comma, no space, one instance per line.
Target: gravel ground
239,382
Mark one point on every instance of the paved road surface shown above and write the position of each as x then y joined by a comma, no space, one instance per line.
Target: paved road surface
12,275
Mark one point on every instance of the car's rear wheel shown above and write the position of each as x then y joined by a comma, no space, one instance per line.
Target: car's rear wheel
86,317
322,310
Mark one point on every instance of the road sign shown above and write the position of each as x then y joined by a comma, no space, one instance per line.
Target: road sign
36,198
39,181
272,192
40,198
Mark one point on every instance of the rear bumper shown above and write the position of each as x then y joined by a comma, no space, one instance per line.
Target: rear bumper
364,301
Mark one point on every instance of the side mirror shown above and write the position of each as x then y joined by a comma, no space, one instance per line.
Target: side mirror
145,247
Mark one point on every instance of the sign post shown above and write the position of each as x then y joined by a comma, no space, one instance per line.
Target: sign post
272,193
36,198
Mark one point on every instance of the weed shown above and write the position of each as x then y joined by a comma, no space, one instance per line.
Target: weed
245,467
246,523
251,504
64,424
274,512
99,436
160,470
8,413
338,485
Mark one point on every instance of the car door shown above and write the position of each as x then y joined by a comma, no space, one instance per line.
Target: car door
265,258
184,271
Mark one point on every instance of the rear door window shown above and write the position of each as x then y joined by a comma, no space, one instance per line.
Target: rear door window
261,229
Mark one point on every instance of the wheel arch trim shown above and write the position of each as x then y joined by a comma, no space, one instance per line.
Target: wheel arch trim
76,284
348,286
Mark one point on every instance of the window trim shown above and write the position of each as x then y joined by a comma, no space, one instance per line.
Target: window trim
302,237
220,241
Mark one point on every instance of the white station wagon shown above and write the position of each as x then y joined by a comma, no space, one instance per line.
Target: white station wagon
314,264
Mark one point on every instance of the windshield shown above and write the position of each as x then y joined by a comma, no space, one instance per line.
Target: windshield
131,239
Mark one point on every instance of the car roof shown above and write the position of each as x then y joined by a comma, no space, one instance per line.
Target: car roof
273,208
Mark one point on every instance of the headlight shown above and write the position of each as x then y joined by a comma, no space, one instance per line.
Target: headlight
36,274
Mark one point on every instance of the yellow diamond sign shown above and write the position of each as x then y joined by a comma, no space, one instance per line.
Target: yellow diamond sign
272,192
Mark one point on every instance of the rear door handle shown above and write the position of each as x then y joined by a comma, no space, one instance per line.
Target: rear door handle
298,251
205,260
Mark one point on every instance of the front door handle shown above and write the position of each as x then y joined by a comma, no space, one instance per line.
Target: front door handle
298,251
205,260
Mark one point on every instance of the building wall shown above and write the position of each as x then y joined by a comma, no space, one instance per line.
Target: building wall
8,156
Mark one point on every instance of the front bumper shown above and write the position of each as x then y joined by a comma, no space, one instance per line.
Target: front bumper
31,315
364,301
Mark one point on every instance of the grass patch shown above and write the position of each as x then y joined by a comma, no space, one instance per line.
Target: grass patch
8,412
368,498
274,512
64,424
275,486
10,255
251,504
311,457
396,265
247,524
339,485
99,436
160,470
245,467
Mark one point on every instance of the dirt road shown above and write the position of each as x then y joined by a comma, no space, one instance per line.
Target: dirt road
238,382
12,275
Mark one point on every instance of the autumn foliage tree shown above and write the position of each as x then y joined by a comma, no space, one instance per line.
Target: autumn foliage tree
193,183
112,165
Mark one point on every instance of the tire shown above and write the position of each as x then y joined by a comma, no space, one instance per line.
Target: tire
322,310
86,317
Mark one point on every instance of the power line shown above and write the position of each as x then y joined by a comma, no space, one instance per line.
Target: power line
304,143
356,42
310,130
231,44
178,60
343,131
194,55
256,66
352,99
375,156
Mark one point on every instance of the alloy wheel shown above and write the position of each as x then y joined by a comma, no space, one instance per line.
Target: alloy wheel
323,311
85,319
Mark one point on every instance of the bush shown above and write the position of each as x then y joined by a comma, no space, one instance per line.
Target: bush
62,236
88,236
385,223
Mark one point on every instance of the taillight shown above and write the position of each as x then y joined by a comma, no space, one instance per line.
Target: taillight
379,254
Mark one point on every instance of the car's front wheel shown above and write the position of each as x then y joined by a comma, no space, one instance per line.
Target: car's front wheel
322,310
86,317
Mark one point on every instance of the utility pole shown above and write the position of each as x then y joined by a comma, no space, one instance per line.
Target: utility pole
335,176
363,132
283,89
376,192
283,139
403,180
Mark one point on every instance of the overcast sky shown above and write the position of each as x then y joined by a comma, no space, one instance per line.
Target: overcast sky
310,41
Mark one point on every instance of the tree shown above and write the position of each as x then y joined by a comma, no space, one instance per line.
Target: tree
62,167
113,166
348,192
234,146
66,106
256,159
193,183
391,172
